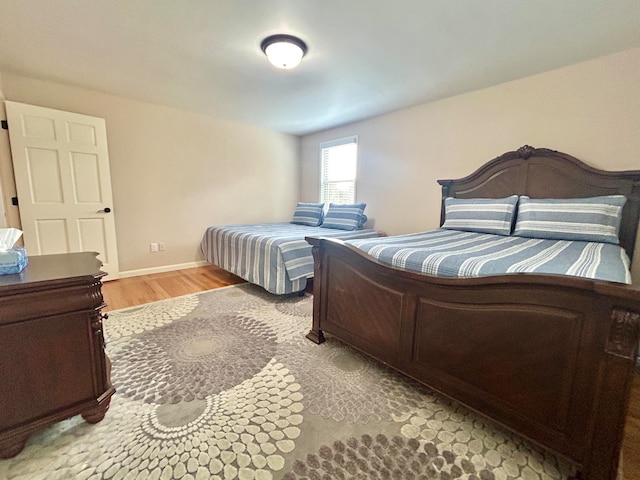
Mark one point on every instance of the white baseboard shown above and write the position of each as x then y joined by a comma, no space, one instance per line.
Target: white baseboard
162,269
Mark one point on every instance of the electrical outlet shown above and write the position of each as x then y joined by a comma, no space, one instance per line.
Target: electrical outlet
161,246
154,247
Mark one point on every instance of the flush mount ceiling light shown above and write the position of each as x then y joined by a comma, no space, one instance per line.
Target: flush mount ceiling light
284,51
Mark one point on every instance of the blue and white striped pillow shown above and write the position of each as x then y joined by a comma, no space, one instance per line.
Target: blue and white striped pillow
594,219
309,214
345,216
486,215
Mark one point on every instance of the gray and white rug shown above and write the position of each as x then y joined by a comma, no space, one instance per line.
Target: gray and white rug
224,385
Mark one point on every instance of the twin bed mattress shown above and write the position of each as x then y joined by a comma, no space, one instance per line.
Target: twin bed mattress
275,256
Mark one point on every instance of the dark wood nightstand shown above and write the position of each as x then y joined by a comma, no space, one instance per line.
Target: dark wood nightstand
52,360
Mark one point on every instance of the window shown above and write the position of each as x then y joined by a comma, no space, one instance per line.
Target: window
338,170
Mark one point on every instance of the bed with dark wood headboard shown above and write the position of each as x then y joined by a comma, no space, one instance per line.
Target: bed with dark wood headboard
574,402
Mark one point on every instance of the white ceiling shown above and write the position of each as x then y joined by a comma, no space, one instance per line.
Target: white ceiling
365,57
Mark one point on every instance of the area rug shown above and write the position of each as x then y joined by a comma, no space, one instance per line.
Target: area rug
224,385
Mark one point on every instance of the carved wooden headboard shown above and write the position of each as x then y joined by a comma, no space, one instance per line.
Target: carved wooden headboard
544,173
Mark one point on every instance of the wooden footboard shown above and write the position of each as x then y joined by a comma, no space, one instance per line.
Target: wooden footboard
548,357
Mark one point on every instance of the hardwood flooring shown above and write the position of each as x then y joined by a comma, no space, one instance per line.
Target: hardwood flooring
128,292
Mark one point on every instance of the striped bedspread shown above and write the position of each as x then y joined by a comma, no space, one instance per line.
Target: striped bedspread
452,253
273,255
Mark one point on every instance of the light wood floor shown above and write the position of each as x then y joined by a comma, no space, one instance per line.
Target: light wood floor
128,292
133,291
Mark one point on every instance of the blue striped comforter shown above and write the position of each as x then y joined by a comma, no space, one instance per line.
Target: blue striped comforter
273,255
452,253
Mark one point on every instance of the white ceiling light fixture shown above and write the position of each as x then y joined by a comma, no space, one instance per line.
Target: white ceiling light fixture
284,51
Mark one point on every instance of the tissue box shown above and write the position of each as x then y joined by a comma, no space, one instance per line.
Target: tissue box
13,260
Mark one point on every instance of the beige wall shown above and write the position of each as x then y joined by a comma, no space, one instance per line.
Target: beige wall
590,110
174,173
7,185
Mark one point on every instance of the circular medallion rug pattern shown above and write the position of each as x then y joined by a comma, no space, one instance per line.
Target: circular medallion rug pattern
224,385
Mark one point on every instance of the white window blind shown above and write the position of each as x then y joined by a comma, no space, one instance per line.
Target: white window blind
338,159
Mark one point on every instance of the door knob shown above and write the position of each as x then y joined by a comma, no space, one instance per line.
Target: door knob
104,210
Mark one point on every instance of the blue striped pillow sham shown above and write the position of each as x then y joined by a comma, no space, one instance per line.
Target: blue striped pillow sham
593,219
345,216
485,215
309,214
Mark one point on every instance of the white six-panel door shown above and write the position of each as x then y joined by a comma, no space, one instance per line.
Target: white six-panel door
61,165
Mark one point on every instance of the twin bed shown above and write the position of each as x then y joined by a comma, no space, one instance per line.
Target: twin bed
541,335
550,354
275,256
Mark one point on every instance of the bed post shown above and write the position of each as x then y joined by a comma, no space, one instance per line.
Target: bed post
315,334
445,193
611,406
